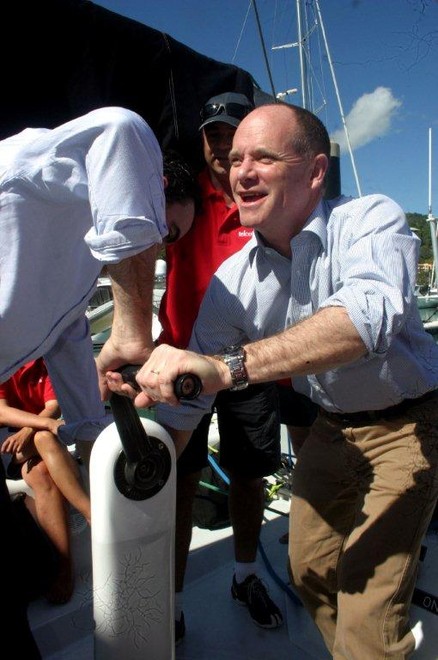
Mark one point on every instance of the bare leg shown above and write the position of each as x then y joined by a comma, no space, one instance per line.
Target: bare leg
246,504
64,471
52,516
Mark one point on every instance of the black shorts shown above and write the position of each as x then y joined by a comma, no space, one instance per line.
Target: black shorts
249,428
296,409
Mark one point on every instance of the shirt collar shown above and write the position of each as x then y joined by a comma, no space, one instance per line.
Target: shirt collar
316,224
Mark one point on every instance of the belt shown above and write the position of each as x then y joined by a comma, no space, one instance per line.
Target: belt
363,417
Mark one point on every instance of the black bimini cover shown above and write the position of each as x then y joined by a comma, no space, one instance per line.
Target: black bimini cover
63,58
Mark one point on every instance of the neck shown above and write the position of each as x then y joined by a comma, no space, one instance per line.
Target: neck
222,183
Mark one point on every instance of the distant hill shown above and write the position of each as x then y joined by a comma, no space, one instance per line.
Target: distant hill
419,222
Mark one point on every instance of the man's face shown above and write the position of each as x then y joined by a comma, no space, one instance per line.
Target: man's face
179,217
271,184
217,140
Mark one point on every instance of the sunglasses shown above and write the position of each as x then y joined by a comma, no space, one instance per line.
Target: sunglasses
235,110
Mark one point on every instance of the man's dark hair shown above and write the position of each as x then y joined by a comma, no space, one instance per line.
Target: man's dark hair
182,183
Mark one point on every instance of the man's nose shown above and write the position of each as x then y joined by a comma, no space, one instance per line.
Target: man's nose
246,169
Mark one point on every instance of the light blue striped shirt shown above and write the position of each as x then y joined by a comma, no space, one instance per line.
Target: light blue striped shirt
73,198
356,253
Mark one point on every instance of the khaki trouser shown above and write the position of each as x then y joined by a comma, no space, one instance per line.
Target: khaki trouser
362,501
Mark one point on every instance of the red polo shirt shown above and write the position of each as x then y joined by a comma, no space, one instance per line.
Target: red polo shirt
215,235
29,388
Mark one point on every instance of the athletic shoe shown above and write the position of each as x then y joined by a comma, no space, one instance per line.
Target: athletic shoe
180,630
253,593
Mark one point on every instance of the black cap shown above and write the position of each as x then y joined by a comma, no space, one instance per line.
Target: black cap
229,108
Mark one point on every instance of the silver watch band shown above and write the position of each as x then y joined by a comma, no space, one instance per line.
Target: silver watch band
234,358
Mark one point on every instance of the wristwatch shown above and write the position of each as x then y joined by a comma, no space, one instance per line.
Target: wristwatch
234,358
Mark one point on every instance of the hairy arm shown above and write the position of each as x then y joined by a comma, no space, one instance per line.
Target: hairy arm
130,341
326,340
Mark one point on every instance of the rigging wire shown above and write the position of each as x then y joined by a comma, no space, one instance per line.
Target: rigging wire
268,68
341,110
241,32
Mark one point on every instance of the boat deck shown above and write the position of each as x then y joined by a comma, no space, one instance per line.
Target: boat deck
216,627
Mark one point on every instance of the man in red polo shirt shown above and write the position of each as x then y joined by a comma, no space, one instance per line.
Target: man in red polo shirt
215,235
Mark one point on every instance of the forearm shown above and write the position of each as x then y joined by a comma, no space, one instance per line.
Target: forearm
131,333
326,340
132,284
51,409
19,419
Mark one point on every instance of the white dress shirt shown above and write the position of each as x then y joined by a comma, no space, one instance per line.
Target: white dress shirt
356,253
72,199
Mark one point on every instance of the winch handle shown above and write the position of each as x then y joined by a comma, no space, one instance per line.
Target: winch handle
186,387
144,466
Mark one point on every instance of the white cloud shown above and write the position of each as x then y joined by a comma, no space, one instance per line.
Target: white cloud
369,118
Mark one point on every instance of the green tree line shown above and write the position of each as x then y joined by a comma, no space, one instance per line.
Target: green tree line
420,224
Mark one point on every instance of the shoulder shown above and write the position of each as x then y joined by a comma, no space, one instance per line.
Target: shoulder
355,205
377,210
238,263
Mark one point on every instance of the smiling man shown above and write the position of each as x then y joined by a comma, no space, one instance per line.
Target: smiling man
324,294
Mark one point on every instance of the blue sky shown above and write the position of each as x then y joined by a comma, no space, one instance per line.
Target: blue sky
385,60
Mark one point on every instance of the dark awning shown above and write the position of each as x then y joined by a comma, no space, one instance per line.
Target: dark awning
62,58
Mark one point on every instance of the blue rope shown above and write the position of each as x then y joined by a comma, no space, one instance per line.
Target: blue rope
216,467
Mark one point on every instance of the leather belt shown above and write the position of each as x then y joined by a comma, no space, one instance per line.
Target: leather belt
362,417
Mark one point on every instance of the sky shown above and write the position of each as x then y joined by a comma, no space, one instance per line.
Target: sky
384,60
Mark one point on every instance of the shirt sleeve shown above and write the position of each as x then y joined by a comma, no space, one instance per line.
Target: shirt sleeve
49,392
379,257
126,189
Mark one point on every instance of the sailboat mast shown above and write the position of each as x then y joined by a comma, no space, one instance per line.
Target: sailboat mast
303,61
432,220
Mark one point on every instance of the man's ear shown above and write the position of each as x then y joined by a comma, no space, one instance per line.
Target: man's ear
165,181
320,167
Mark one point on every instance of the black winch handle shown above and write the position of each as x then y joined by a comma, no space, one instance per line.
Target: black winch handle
186,387
143,468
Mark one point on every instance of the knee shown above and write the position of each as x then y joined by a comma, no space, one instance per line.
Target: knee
244,484
37,476
45,437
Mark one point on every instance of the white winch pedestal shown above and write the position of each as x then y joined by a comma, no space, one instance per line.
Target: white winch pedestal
132,485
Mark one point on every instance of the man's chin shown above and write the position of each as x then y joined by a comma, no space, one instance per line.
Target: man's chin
248,219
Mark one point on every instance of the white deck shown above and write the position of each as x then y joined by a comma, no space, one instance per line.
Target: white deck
216,627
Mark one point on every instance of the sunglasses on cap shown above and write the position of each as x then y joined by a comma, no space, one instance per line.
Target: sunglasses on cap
236,110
